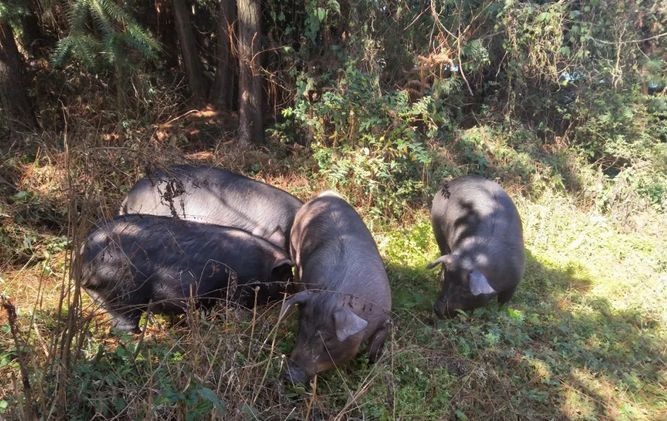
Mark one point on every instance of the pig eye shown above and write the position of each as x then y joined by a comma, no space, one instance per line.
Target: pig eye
324,337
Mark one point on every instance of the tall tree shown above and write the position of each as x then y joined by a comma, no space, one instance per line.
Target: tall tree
222,94
32,37
12,86
250,81
158,16
189,51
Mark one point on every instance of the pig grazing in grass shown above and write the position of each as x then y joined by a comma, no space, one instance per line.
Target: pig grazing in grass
346,298
215,196
478,230
132,261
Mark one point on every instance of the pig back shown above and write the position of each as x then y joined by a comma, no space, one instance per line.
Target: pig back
334,250
475,218
215,196
474,208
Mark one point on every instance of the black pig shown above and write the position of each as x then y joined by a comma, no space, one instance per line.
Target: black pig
478,230
133,260
215,196
346,298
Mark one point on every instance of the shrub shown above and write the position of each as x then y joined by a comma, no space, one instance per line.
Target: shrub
366,143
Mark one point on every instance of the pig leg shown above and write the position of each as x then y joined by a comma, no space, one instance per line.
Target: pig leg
376,343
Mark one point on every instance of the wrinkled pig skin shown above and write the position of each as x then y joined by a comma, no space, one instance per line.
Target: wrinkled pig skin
345,299
479,233
216,196
133,260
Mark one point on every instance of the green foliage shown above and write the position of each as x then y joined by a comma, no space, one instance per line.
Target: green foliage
317,14
623,132
613,127
544,76
533,39
12,11
105,381
103,35
370,145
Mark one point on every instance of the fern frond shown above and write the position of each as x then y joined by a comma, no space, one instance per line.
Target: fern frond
62,52
87,49
83,48
77,17
115,49
101,32
10,12
114,11
142,41
101,19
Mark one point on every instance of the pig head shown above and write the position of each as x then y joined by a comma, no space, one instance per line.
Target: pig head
332,329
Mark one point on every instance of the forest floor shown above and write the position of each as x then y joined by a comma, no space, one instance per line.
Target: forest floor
584,338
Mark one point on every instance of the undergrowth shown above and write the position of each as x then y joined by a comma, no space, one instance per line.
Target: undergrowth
583,338
563,103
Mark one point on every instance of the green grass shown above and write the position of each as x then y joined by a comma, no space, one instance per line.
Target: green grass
583,338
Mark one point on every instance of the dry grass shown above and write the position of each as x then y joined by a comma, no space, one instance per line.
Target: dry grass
583,339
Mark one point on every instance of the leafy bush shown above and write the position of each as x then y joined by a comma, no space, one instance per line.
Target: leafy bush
368,144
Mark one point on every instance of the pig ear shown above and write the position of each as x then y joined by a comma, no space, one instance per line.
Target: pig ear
445,260
347,323
479,284
282,262
298,298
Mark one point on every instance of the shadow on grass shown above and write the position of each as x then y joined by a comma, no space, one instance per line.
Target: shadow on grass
555,351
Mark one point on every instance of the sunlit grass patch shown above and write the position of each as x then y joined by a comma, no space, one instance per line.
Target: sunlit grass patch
583,338
406,251
583,305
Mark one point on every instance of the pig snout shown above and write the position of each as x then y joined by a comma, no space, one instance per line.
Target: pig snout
441,308
125,325
446,306
295,374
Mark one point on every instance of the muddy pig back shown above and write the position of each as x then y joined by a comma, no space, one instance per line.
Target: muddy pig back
216,196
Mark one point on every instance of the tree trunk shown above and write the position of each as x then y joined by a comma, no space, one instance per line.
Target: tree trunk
158,15
12,87
222,94
193,67
250,82
32,38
